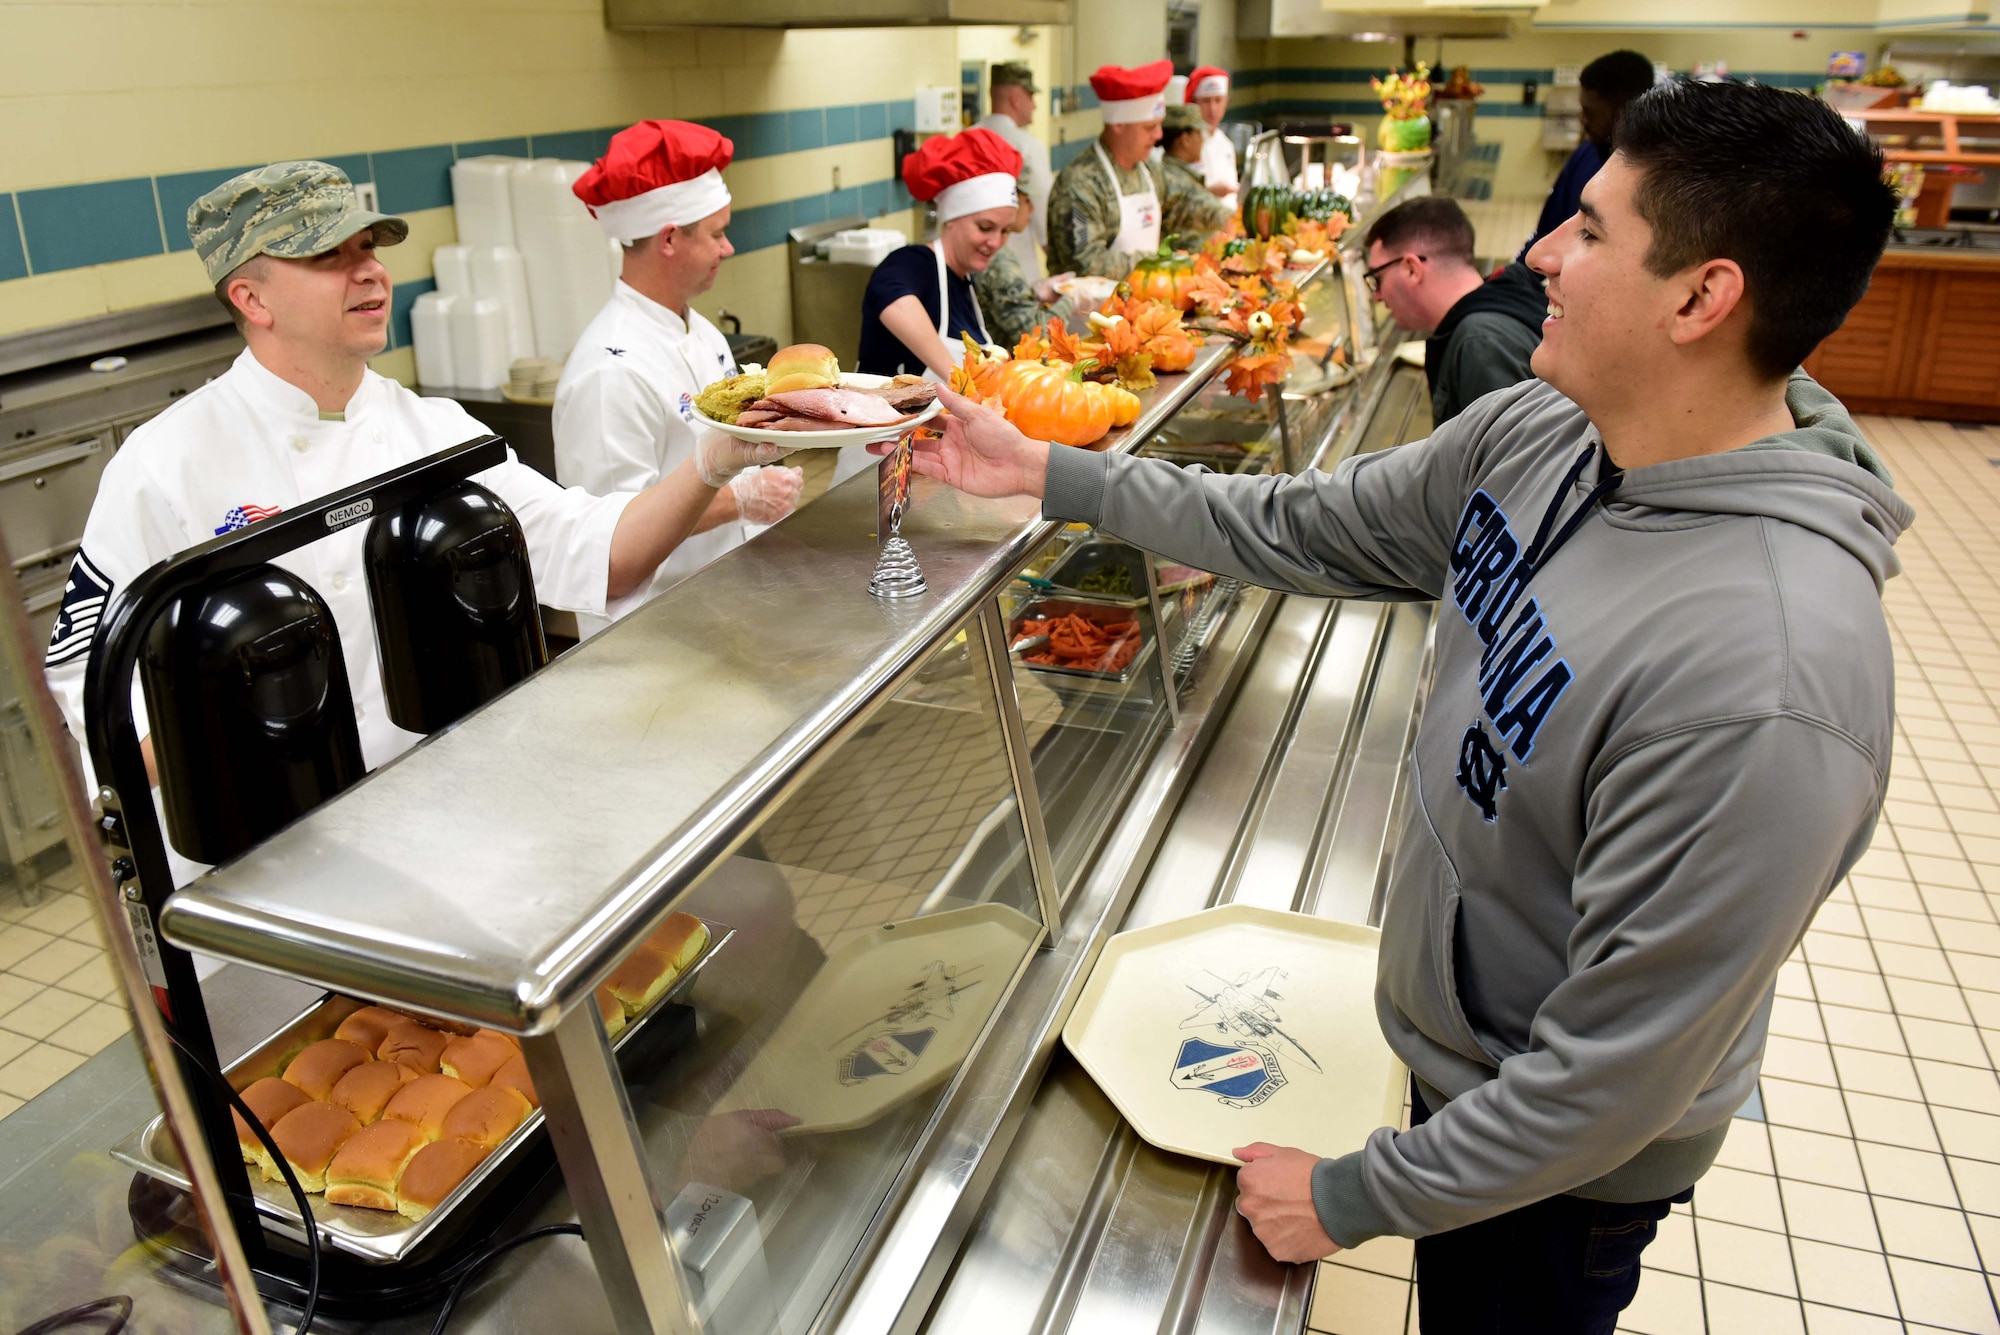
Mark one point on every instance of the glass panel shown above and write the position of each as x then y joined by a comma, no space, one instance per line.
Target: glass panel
1087,675
880,916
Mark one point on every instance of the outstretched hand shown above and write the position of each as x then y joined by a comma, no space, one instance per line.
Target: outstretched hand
1274,1192
981,452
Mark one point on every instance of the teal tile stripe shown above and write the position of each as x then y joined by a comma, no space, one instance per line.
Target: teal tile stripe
72,226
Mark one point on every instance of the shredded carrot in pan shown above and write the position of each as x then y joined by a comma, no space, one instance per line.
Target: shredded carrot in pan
1075,641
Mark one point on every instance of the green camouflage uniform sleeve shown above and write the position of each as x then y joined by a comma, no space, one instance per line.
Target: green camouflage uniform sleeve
1084,219
1007,300
1186,206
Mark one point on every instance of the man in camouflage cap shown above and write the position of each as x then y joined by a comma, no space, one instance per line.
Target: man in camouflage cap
1013,85
300,415
1180,143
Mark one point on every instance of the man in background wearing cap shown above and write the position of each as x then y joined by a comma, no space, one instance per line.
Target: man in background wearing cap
1181,139
1013,112
1009,302
1208,91
300,416
1111,207
624,409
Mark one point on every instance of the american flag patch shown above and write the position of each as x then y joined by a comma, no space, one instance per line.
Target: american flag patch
243,516
84,597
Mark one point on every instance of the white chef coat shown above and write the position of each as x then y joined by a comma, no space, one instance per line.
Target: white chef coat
1037,179
624,415
247,445
1218,163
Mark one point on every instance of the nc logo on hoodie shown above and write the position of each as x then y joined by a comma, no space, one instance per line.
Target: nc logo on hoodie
1521,674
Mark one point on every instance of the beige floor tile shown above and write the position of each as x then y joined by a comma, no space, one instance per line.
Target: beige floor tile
1798,1059
17,943
1977,938
1884,892
1885,862
1947,902
55,961
1980,971
1347,1301
1750,1258
1734,1311
14,991
1943,1296
1829,1214
1883,1073
1844,1277
1789,1017
1673,1247
1934,842
36,1069
1982,823
94,979
1986,1237
1970,1135
1906,1174
93,1031
1895,925
1929,1001
1794,980
1984,1007
59,915
1850,987
13,1045
1926,963
1940,1040
44,1014
1732,1196
1840,952
1903,1122
1956,1086
1666,1304
1839,1321
1385,1256
1838,920
1791,1103
1809,1156
1927,1232
1953,872
1747,1146
1879,1031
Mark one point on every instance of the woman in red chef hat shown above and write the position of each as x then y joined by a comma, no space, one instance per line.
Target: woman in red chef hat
920,299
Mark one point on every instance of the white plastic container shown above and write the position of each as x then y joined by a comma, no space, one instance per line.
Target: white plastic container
499,272
481,201
430,333
563,247
452,267
865,245
479,356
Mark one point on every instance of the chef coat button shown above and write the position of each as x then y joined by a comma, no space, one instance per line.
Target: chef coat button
301,444
339,581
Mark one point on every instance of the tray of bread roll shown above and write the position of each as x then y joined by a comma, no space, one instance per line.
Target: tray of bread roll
391,1122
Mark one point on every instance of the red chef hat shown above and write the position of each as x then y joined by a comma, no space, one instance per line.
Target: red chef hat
1128,96
967,172
1208,81
656,174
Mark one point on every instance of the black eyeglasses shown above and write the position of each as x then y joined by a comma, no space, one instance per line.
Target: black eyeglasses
1373,277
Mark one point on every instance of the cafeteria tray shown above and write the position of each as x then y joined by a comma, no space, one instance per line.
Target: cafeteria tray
372,1235
1240,1024
1097,608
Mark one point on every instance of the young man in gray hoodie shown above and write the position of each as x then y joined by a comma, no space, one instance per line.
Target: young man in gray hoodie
1660,726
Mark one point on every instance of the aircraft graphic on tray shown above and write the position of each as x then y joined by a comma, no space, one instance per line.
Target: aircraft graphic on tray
893,1042
1239,1064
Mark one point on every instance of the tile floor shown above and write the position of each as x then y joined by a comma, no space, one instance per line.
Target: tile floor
58,1001
1863,1196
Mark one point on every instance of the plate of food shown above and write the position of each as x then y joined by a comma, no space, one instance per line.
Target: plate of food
804,400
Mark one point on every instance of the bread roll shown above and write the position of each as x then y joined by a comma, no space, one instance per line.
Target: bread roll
639,981
485,1116
801,366
610,1010
681,938
319,1067
270,1098
417,1046
424,1102
508,1039
514,1076
475,1059
367,1089
434,1173
368,1026
365,1170
309,1136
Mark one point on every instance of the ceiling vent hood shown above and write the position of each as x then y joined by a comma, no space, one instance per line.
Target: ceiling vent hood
1379,22
829,13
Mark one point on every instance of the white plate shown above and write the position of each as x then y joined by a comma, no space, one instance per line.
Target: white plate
828,440
1237,1025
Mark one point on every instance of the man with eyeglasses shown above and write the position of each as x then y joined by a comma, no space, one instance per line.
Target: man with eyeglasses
1482,331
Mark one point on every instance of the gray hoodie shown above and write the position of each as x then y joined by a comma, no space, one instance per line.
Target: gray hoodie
1638,774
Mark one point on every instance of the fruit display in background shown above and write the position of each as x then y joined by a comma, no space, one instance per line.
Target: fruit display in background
1405,128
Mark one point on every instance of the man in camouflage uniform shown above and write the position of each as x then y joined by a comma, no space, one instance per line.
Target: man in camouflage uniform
1084,215
1010,304
1181,138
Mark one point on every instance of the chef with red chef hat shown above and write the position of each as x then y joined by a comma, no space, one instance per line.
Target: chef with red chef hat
1208,92
920,300
624,409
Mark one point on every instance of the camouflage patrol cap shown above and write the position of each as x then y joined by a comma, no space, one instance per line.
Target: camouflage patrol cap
1015,72
1182,116
289,209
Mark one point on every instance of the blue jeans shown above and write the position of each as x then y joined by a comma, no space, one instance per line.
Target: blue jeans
1563,1266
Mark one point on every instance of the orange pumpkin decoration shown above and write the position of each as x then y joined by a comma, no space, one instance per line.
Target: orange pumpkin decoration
1124,404
1172,351
1167,276
1054,403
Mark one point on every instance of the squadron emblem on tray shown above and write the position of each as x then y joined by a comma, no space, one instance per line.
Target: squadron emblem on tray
894,1042
1239,1065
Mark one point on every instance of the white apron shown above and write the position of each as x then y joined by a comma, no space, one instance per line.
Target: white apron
1138,215
953,348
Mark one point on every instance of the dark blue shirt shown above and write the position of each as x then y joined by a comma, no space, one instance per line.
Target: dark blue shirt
912,272
1565,194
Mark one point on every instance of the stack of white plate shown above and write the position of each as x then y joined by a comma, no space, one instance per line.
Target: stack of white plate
533,379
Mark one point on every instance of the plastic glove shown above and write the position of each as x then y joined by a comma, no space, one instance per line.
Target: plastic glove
719,457
1045,291
766,495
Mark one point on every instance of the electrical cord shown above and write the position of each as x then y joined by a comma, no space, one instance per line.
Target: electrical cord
490,1255
115,1310
263,1134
